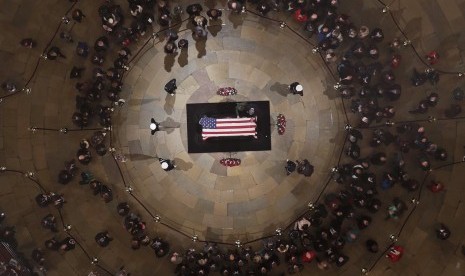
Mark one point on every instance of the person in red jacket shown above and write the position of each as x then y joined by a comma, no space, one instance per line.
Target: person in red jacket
432,57
395,253
436,186
395,61
300,15
308,256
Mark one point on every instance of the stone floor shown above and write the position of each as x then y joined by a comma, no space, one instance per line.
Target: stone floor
201,197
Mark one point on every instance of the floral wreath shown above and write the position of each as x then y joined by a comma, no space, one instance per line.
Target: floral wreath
230,162
227,91
281,123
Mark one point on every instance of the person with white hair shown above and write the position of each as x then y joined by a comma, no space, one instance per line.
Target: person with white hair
296,88
166,164
363,32
235,5
302,224
176,258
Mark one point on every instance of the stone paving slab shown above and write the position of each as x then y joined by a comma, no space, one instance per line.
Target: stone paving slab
259,78
244,221
218,221
225,196
218,169
227,183
227,55
218,72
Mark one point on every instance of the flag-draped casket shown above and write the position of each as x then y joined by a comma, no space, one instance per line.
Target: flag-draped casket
224,127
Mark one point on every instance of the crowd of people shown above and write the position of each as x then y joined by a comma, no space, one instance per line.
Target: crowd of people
321,235
370,85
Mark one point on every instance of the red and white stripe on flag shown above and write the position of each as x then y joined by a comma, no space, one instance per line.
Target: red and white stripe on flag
232,127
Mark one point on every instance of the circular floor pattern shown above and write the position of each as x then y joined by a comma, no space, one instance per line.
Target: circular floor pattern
51,104
203,197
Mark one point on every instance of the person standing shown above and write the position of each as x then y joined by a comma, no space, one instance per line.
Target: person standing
432,57
263,8
422,107
166,164
194,9
154,126
354,151
102,44
432,99
82,49
296,88
372,246
9,87
28,43
170,87
38,256
52,244
199,33
49,222
436,186
170,47
214,14
290,166
76,72
396,208
66,36
54,52
304,167
68,244
123,208
78,15
395,253
235,6
183,44
103,238
443,233
424,163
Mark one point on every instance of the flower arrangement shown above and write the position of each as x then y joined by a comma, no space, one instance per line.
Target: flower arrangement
230,162
227,91
281,123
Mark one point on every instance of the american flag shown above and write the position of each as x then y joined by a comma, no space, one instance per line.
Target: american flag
212,127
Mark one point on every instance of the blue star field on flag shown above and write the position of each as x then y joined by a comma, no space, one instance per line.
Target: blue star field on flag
208,123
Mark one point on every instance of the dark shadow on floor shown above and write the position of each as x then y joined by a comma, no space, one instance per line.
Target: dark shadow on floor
169,125
169,61
139,157
182,165
215,27
277,171
200,45
183,58
147,101
169,103
330,92
236,19
281,88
